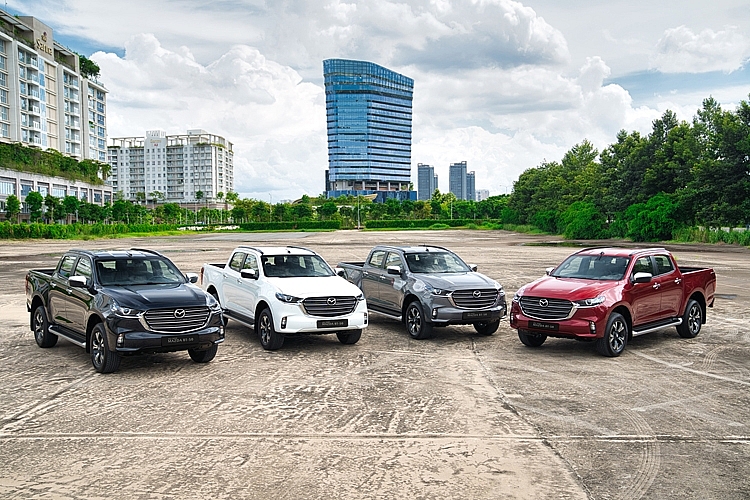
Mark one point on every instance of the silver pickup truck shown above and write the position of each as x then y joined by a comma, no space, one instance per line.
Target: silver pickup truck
427,286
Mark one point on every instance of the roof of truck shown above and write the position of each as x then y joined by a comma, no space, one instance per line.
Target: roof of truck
287,250
617,252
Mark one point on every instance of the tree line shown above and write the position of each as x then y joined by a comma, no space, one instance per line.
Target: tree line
646,188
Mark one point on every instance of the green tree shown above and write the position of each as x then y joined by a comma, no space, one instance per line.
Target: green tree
12,207
327,209
53,208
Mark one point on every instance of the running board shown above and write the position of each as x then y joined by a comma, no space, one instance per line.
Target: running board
388,315
240,321
67,337
676,322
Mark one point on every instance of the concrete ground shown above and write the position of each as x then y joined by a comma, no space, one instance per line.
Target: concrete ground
455,416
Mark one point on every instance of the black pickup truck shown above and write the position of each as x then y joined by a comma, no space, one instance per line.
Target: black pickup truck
114,303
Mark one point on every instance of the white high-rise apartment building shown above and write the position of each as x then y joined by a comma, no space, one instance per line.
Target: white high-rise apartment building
45,101
171,168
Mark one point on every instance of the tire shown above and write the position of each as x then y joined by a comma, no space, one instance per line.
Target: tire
415,322
692,320
269,339
40,326
205,355
531,339
486,327
349,336
224,319
104,360
615,336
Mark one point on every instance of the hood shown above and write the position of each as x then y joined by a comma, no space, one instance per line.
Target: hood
567,288
157,296
317,286
455,281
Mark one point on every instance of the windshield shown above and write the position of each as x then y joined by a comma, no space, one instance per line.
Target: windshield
592,267
435,262
137,271
295,266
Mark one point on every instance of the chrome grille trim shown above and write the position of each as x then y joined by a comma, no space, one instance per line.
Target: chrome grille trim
165,321
320,306
466,299
556,309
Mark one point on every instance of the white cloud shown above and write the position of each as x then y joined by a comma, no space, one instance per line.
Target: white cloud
275,120
681,50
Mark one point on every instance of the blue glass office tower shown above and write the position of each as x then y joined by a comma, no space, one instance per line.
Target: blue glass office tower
368,109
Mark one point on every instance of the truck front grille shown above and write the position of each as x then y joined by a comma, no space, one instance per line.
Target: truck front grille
329,306
542,308
176,320
478,298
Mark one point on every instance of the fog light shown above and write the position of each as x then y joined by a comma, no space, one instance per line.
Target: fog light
434,313
365,318
120,340
513,317
283,322
592,326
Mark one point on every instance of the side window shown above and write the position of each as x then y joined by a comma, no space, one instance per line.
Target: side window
236,262
83,268
251,263
393,260
643,265
663,264
66,266
376,259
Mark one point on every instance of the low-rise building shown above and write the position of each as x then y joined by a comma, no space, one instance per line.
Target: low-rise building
186,168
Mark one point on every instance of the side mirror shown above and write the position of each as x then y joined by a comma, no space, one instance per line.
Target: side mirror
250,274
393,270
341,272
473,267
549,270
191,277
78,282
641,277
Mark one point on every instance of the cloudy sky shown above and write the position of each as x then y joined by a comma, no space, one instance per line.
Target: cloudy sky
501,84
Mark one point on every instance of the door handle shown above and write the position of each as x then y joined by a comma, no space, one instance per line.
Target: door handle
657,286
678,280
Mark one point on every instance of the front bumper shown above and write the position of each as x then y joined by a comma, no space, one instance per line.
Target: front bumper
444,314
585,324
291,319
129,336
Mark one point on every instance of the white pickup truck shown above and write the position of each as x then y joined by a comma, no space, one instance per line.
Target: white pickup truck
281,291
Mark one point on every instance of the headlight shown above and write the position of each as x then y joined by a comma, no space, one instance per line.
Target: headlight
213,304
289,299
360,297
433,290
590,302
126,312
516,297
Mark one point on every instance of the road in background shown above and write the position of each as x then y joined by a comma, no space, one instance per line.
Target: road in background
456,416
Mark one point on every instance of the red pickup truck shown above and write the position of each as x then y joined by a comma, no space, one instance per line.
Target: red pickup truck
609,295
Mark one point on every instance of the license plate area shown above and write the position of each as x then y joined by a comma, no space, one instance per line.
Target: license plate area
332,323
477,315
541,325
179,340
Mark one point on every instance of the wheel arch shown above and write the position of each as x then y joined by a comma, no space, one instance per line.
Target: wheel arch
35,302
93,320
625,313
701,300
262,304
408,299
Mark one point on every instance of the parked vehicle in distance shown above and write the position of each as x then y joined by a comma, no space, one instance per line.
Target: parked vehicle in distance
114,303
427,286
609,295
280,291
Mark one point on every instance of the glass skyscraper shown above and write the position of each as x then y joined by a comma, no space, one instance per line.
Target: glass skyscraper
368,109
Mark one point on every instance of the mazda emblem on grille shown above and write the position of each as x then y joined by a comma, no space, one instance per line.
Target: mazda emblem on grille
543,302
179,313
477,294
331,301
